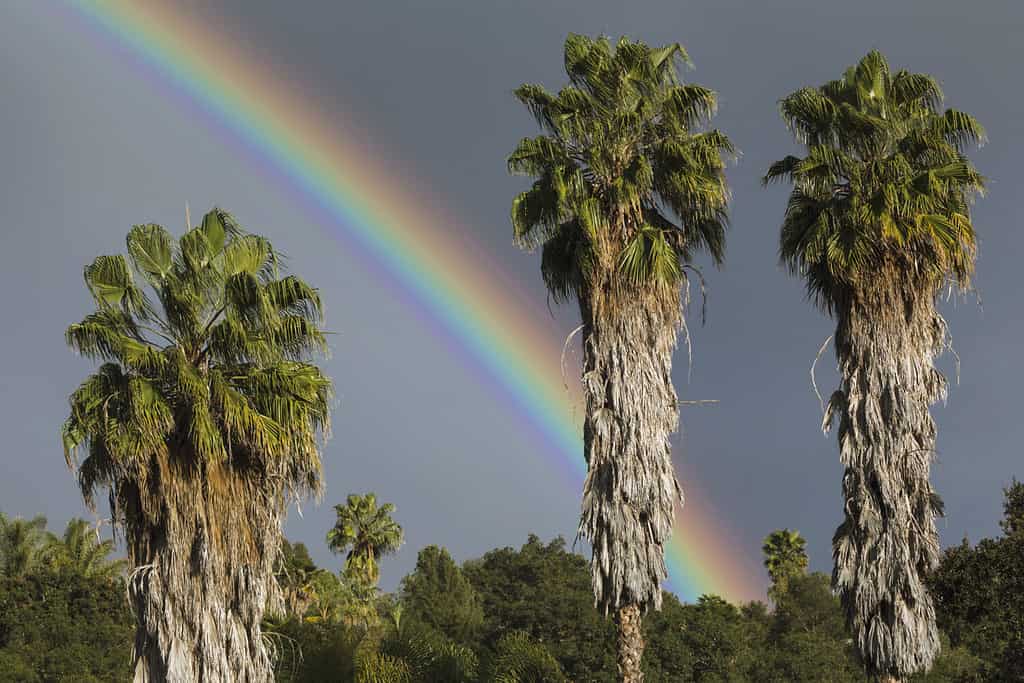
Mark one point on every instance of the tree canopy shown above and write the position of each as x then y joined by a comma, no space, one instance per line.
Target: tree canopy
60,621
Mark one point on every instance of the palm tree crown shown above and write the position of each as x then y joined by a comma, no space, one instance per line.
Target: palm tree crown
368,532
626,188
884,179
214,373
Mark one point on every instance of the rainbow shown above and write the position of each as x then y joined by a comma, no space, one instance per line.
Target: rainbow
468,299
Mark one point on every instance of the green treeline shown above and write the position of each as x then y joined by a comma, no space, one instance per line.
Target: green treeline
63,611
515,614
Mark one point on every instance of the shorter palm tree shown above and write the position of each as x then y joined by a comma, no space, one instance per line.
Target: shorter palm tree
24,545
81,552
785,556
368,533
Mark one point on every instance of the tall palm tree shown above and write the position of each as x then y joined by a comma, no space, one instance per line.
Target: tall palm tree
785,556
24,545
368,533
202,421
627,188
81,551
878,222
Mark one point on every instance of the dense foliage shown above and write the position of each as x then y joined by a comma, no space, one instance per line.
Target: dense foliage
63,613
515,615
979,593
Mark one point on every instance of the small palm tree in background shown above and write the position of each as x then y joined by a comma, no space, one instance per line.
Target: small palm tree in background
368,533
785,556
374,667
25,545
878,223
626,191
202,421
81,551
518,658
294,573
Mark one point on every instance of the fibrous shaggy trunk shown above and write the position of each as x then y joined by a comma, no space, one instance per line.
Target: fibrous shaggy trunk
202,542
631,490
887,337
628,621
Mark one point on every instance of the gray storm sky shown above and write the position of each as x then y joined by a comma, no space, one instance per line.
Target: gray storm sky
89,144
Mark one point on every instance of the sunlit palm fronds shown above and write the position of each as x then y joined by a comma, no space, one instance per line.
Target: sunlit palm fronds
884,176
628,185
24,545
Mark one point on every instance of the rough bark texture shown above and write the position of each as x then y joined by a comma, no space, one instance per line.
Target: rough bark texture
887,337
631,490
202,543
631,644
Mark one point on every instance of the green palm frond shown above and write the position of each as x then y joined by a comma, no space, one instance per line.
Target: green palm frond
432,657
374,667
81,552
519,659
151,250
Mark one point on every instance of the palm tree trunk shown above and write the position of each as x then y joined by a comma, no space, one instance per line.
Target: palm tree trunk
202,575
886,340
630,492
197,636
628,621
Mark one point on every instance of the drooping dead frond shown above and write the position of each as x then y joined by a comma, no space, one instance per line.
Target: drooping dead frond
886,341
